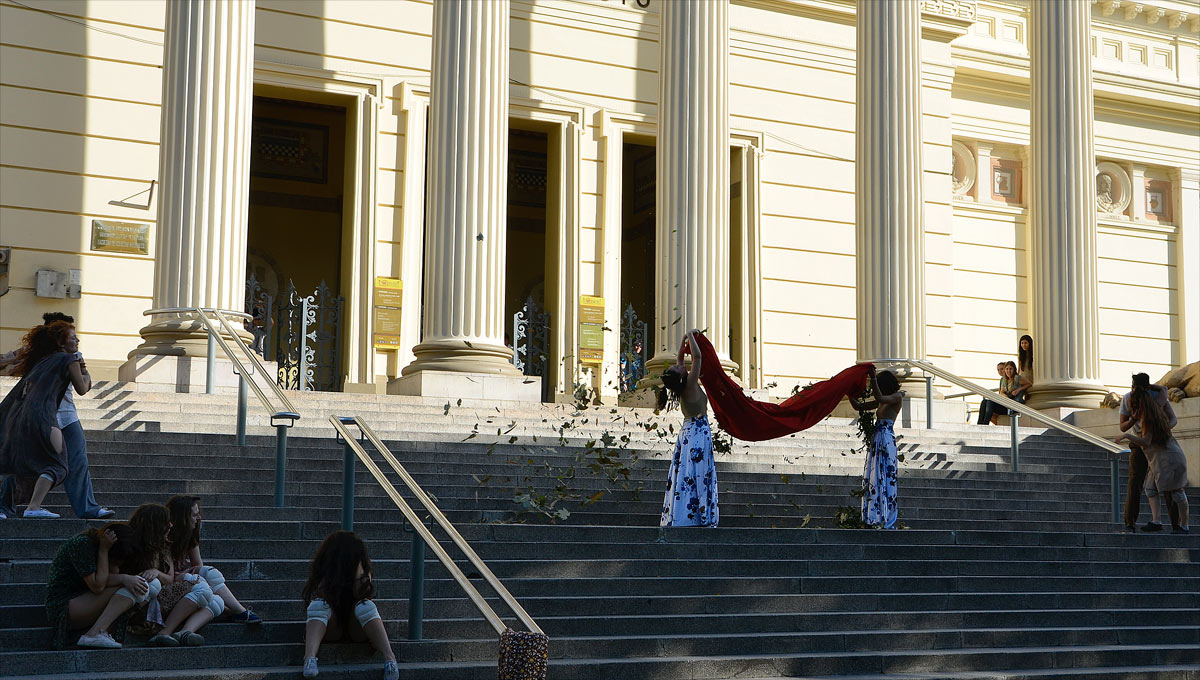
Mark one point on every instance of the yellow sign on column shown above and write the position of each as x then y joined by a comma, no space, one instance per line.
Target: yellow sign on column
591,329
388,304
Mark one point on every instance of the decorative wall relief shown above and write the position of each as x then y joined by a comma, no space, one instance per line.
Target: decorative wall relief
1006,180
1158,200
1113,189
962,170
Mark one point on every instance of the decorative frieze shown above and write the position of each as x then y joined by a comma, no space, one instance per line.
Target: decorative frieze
958,9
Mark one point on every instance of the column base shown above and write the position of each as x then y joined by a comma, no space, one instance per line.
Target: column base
1065,394
464,385
179,337
163,373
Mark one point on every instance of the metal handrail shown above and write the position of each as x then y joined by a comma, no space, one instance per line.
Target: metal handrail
1018,409
201,314
418,526
281,419
1017,406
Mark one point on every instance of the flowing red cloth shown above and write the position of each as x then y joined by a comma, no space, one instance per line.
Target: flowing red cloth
756,421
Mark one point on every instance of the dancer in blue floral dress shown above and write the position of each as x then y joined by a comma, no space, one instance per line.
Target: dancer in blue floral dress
691,499
879,507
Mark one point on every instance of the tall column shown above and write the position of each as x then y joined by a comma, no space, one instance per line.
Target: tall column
466,205
1064,308
889,204
692,220
204,169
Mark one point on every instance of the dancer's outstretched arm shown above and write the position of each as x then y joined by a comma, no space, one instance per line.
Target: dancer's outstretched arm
694,374
868,404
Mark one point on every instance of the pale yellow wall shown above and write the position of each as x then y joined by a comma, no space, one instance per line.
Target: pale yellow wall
79,120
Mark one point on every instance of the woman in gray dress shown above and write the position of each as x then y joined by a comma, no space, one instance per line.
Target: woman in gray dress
1168,465
31,443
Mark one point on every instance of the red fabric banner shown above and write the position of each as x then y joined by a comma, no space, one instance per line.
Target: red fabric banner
756,421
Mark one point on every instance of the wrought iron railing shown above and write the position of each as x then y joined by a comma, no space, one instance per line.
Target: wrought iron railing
422,536
1114,451
283,412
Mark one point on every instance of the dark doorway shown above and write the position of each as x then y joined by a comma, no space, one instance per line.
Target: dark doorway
638,275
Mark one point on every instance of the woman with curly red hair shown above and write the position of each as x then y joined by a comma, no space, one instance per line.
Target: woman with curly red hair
31,442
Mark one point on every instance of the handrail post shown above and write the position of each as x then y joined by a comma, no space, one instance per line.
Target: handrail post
416,589
210,375
241,410
347,479
928,401
1116,491
282,421
1014,423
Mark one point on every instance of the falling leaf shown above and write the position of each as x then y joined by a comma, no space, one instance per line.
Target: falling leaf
479,236
447,409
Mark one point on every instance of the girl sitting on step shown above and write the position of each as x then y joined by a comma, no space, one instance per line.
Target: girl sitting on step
338,596
88,589
185,602
184,541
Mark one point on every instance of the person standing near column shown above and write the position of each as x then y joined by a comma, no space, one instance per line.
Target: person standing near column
1166,463
1138,465
79,479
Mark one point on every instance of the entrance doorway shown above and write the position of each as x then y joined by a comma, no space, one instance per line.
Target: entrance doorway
527,295
294,249
638,275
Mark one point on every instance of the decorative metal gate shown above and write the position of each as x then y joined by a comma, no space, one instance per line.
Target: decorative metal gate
634,340
303,332
531,343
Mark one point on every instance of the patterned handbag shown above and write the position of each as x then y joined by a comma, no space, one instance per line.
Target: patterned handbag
170,596
523,655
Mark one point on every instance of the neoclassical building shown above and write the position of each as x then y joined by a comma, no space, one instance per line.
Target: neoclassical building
410,192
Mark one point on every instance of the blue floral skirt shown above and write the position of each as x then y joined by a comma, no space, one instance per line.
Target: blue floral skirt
879,478
691,499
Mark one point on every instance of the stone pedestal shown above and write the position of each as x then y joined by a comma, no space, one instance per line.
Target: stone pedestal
464,385
164,373
1063,279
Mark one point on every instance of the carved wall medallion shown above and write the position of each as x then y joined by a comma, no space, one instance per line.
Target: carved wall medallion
1113,189
962,169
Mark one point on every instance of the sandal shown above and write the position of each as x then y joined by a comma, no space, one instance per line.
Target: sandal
188,639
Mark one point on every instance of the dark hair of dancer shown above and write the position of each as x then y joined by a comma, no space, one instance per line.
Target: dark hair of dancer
887,382
1155,425
1025,358
41,342
150,523
674,383
333,573
51,317
182,538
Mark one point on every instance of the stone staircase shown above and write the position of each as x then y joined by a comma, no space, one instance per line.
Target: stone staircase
999,575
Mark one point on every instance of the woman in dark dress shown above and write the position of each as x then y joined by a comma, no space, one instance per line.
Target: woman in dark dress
87,589
31,443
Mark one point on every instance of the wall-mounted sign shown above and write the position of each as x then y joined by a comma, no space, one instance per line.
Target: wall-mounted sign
591,329
121,237
388,305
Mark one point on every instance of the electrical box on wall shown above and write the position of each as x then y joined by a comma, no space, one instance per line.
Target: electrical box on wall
51,284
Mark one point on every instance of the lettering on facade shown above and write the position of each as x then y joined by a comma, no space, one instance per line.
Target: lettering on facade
959,9
388,305
640,3
121,237
591,329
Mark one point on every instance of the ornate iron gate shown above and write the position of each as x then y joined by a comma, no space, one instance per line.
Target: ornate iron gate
531,343
303,332
634,340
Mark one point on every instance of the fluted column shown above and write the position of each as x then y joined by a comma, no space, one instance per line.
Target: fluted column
1062,247
692,211
889,205
204,168
463,330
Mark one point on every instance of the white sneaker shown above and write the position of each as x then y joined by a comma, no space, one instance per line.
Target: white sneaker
98,641
391,671
310,667
42,512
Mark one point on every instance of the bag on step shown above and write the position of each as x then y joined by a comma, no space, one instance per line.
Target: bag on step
523,655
